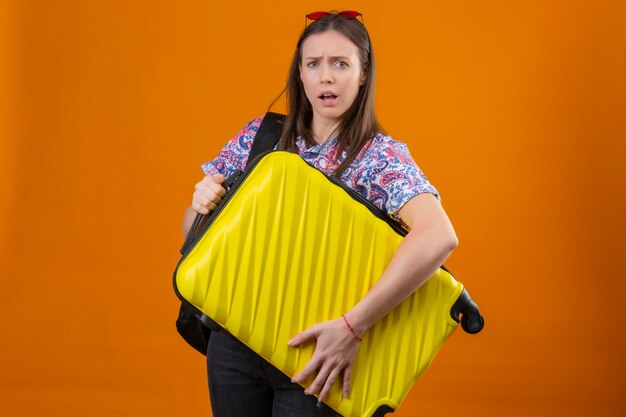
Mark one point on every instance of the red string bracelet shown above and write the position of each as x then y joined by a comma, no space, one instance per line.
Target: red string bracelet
351,329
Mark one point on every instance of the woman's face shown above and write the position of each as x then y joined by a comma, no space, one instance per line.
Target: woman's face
331,73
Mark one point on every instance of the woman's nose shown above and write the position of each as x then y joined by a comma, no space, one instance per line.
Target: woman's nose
326,76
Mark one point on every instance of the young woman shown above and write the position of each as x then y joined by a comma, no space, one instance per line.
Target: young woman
331,124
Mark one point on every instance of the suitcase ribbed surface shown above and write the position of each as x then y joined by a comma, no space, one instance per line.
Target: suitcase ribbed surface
291,249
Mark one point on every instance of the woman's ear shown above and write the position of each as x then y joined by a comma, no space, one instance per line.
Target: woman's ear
363,77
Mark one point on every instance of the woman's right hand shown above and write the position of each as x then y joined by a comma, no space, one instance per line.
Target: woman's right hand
208,194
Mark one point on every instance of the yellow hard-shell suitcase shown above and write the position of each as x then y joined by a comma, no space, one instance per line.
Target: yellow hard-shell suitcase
289,247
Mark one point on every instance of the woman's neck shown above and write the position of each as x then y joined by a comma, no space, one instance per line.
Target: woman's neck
323,129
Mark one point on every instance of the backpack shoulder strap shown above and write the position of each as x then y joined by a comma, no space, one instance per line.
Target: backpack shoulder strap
267,135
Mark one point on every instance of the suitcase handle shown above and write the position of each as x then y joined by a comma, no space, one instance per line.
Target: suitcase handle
198,220
471,319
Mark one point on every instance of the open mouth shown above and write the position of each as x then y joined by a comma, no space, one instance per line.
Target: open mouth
328,97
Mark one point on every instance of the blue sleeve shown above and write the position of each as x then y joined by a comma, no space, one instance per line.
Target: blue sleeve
234,155
394,177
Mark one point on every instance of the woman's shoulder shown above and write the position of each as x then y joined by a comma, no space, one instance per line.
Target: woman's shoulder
253,125
235,153
244,138
384,146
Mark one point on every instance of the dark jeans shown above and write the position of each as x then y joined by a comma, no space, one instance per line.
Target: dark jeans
241,383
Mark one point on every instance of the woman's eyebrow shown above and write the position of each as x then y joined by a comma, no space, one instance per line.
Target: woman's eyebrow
333,58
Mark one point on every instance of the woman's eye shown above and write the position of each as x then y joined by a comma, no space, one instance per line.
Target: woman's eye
341,64
311,64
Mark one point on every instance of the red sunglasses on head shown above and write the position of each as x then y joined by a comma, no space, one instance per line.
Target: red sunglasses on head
347,14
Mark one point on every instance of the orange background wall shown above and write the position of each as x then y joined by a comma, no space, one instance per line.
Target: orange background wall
516,111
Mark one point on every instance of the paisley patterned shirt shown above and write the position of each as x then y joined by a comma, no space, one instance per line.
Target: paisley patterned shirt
384,172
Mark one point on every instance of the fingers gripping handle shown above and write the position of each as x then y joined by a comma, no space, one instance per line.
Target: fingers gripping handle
198,220
228,182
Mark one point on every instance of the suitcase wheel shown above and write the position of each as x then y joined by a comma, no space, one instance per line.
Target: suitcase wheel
471,320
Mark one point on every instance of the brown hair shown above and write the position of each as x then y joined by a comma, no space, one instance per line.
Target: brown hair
359,124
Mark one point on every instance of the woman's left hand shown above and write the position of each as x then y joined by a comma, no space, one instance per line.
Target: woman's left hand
334,353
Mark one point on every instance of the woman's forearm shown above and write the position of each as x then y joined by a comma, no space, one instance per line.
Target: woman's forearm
418,257
188,217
